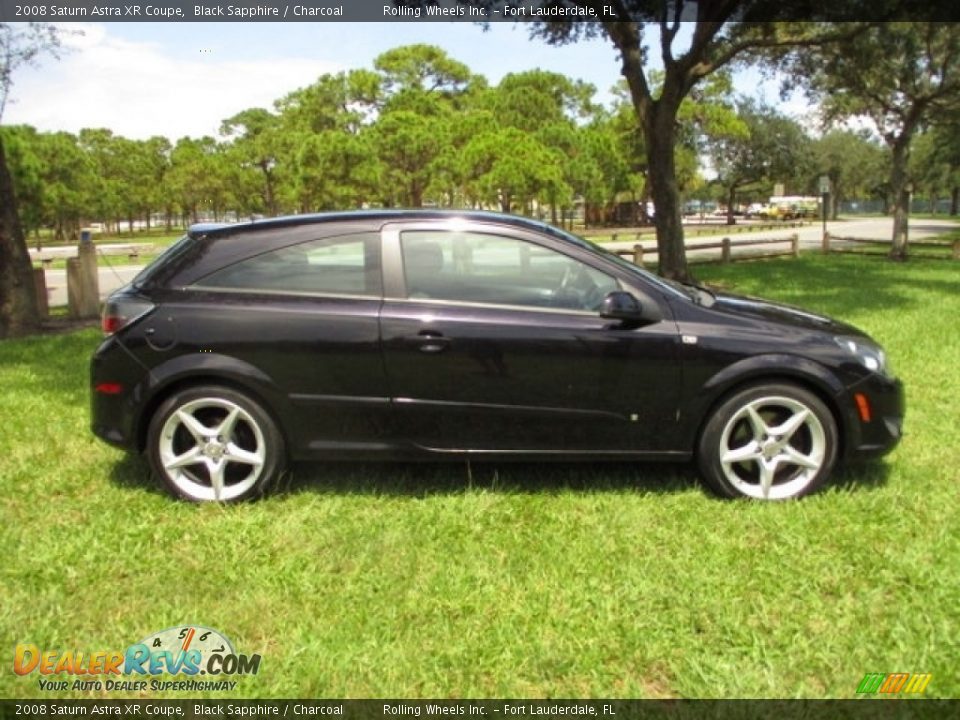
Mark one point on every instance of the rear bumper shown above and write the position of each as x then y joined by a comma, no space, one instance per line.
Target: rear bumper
113,414
882,432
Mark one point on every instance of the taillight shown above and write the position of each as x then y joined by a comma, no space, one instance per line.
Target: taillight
109,388
119,311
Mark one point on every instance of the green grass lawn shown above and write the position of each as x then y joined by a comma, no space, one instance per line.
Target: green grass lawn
522,580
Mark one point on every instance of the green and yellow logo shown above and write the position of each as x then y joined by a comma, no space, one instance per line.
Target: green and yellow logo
893,683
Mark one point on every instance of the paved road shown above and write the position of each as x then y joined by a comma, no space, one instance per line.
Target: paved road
111,278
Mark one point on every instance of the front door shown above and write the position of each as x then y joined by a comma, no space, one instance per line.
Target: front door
493,342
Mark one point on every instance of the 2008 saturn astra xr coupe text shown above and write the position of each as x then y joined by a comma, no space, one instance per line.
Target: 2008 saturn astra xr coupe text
417,334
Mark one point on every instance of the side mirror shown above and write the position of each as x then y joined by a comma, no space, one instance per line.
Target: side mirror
623,306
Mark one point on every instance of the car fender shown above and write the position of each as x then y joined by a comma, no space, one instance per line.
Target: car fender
210,368
769,366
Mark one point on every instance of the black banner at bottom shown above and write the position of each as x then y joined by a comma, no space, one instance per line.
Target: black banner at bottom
862,709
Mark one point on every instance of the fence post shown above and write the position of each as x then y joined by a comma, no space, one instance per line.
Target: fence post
956,249
83,286
826,243
725,250
40,288
638,255
795,244
74,287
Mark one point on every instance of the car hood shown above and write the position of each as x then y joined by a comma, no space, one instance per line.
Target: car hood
781,314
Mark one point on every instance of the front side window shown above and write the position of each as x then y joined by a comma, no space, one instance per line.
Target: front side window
344,265
494,269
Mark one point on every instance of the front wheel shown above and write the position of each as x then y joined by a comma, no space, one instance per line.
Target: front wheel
770,442
213,443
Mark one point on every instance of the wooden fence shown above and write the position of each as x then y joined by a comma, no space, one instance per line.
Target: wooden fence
715,229
829,245
726,247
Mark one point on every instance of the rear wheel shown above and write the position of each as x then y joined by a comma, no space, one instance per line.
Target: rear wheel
213,443
769,442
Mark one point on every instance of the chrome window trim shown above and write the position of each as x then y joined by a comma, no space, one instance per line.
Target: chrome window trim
494,306
294,293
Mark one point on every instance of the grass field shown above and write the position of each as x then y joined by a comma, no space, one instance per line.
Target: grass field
515,581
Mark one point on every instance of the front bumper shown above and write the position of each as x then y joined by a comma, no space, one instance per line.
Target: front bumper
882,432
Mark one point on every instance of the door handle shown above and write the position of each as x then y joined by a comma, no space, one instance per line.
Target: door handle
430,341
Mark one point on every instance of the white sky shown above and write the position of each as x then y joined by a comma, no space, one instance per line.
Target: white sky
176,79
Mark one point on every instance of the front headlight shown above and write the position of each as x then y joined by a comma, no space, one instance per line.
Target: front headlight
868,354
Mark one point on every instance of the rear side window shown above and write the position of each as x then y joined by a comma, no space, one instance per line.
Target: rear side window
163,259
343,265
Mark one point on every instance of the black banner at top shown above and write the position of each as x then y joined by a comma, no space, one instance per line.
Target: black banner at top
573,11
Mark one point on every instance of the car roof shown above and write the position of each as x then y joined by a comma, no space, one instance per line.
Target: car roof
214,229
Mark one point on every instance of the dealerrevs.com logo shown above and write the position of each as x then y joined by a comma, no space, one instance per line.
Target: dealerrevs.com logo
186,651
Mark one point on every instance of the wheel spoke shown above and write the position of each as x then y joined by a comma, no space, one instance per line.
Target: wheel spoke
786,429
750,451
235,453
216,469
767,469
757,423
194,426
190,457
791,455
225,430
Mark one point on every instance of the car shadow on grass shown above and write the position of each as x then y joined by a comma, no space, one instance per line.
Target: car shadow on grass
868,475
132,472
417,479
422,479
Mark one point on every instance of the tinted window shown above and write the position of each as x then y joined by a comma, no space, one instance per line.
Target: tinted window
483,268
344,265
169,255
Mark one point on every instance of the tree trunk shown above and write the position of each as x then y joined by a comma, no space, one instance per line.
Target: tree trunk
18,301
901,198
954,200
731,195
660,135
269,196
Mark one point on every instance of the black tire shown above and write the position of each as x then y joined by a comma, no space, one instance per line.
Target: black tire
213,443
770,441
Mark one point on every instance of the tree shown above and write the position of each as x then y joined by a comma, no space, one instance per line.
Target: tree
407,143
257,143
411,73
19,45
853,161
768,147
900,76
512,168
21,143
200,178
334,170
721,32
935,164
